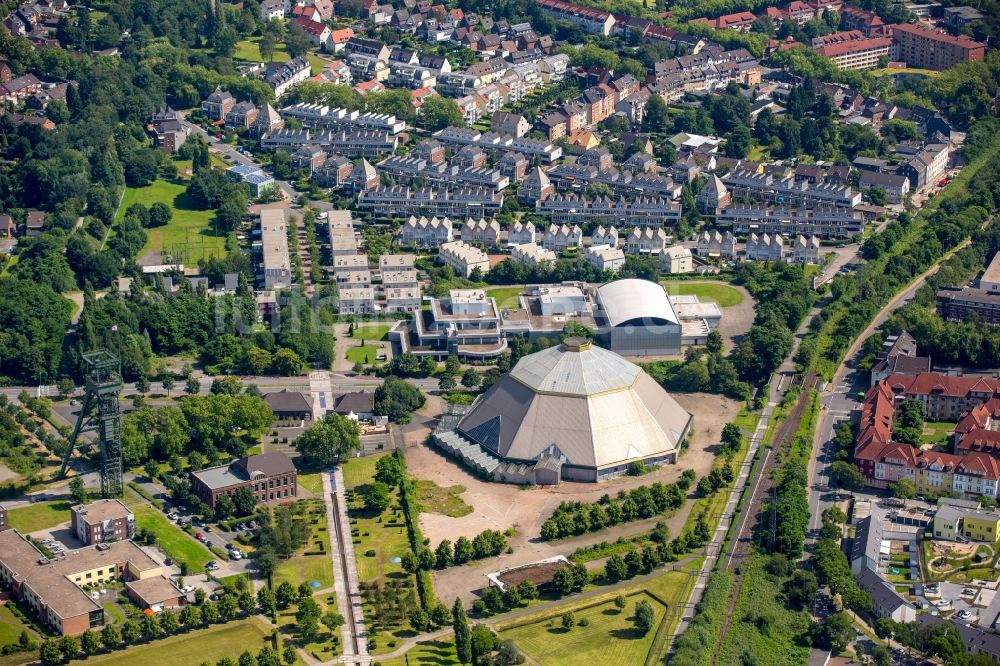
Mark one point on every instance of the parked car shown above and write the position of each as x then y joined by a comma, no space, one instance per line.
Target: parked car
964,615
212,566
187,589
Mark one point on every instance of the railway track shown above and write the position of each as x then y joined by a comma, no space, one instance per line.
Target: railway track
760,489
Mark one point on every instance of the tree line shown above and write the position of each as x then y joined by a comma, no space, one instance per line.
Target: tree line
573,518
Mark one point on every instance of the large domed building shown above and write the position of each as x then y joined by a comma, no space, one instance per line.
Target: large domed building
575,412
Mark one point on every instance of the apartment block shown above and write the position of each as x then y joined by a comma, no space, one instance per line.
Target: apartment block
464,258
100,521
930,48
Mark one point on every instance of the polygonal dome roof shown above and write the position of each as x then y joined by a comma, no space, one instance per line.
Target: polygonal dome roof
577,368
581,403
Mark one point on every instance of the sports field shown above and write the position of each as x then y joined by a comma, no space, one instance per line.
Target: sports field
722,294
189,235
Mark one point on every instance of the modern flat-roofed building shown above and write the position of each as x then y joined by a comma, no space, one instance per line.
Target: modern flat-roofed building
356,300
52,589
275,265
156,594
102,520
930,48
271,477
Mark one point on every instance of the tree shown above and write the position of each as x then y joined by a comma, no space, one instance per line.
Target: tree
732,437
168,383
192,386
438,112
620,602
447,382
483,641
50,653
903,489
376,497
288,654
76,490
397,399
389,470
244,502
463,637
66,387
90,642
247,659
111,637
568,620
800,589
267,602
131,631
644,617
738,143
615,568
142,384
835,633
332,620
159,214
285,594
307,617
463,550
470,379
846,475
287,363
329,439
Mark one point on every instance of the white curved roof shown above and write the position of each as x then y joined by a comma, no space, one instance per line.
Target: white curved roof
625,300
589,371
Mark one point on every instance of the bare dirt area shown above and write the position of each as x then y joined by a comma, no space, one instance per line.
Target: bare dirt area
500,506
737,319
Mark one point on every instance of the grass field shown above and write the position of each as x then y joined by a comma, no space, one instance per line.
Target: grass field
427,653
506,297
377,539
312,562
724,295
610,638
311,481
908,70
189,236
249,50
11,627
169,538
205,645
362,354
359,471
937,432
38,516
371,332
445,501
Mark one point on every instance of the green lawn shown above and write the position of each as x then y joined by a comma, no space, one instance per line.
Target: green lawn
362,354
11,627
312,562
112,610
249,50
908,70
724,295
311,481
40,516
371,332
937,432
445,501
610,638
427,653
359,471
189,236
506,297
205,645
377,539
169,538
